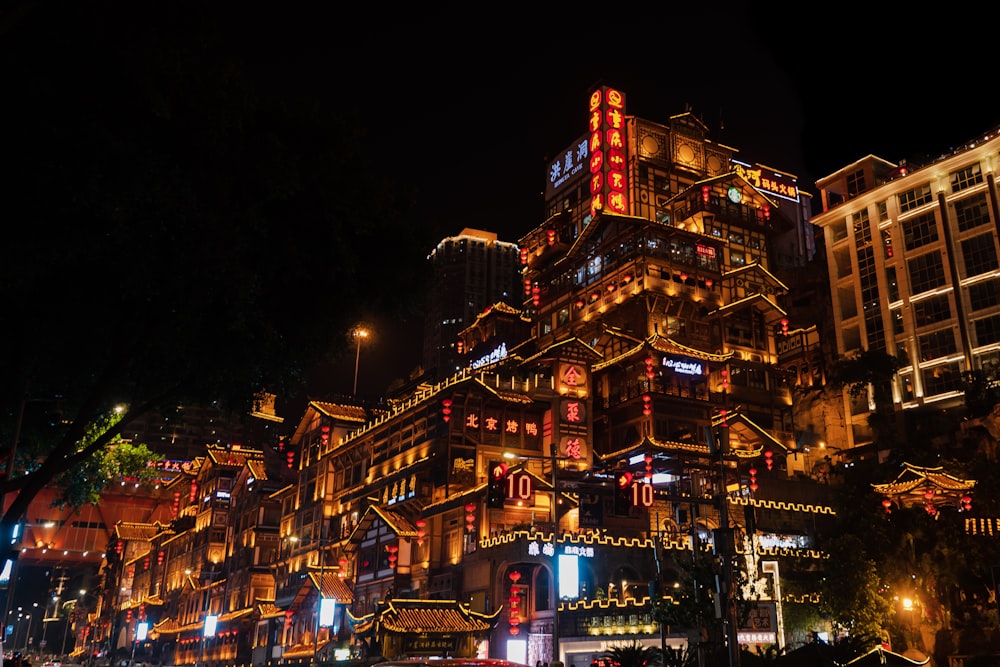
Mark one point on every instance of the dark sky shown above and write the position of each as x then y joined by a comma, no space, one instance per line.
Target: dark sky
471,115
465,104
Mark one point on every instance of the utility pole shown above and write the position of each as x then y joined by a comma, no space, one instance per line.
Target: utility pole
725,549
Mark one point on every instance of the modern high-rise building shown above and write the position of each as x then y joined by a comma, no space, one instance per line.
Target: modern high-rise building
469,273
914,272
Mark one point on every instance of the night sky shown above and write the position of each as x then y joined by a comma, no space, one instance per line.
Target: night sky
473,116
466,103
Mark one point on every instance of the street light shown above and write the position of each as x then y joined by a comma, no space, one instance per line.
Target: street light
321,601
70,612
358,334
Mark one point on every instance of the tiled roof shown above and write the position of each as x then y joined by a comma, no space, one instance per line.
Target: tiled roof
352,413
269,610
228,456
257,469
334,587
428,616
127,530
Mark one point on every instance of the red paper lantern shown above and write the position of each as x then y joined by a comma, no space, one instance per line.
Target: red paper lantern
446,409
160,555
887,504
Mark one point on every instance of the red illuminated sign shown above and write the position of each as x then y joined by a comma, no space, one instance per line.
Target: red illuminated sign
608,163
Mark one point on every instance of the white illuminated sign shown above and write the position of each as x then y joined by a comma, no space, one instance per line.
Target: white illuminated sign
141,631
684,367
491,358
574,160
569,577
327,606
211,623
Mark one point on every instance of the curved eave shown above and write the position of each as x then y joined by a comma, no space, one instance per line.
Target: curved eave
756,300
755,267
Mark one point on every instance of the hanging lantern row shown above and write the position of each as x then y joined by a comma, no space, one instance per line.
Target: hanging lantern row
194,491
753,479
119,546
769,458
177,502
145,563
647,408
160,556
524,256
722,416
650,371
470,517
290,458
724,374
422,530
649,466
343,567
964,505
527,287
392,549
514,601
784,326
550,236
446,409
281,443
324,436
460,346
536,295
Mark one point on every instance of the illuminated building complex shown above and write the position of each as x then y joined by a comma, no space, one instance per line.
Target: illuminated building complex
469,273
631,403
914,266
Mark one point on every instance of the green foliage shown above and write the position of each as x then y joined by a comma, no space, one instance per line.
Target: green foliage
688,604
851,591
685,656
982,392
633,654
120,460
861,369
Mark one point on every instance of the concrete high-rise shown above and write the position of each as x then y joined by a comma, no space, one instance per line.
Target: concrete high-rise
470,272
914,272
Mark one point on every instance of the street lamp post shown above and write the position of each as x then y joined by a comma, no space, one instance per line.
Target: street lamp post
319,590
359,333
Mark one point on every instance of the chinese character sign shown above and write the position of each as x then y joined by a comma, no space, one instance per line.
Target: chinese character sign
573,411
607,145
572,378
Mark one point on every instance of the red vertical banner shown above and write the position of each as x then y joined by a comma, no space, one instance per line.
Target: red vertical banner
608,152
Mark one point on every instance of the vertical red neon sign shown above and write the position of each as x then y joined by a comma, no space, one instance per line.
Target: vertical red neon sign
608,164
